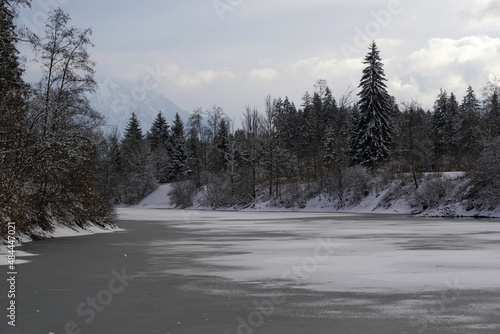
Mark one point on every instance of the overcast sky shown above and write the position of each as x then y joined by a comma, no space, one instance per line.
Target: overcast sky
233,53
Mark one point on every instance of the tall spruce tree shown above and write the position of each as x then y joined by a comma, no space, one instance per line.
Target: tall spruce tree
177,151
196,145
133,132
158,134
158,140
468,133
373,134
439,123
492,109
139,172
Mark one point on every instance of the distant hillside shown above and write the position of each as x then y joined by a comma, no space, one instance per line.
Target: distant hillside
117,100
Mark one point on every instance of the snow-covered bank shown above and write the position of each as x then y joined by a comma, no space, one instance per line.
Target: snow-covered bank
438,195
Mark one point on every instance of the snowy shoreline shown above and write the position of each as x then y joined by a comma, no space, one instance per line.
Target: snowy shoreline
385,202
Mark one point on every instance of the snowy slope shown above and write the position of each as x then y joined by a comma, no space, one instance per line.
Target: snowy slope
159,199
396,197
117,100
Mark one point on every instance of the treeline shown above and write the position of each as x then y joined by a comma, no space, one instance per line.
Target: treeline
50,142
289,153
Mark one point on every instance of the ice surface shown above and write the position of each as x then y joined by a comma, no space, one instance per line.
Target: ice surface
59,232
368,252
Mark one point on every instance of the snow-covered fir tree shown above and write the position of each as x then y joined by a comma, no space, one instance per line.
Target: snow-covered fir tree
158,134
492,109
452,122
467,132
158,137
177,152
139,172
439,123
196,145
373,134
133,132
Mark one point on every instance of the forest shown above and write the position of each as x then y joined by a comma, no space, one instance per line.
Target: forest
343,148
57,165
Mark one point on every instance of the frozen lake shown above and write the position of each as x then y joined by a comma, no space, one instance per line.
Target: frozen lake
265,272
332,252
438,265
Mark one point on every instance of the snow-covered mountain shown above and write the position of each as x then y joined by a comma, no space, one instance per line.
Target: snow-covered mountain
117,100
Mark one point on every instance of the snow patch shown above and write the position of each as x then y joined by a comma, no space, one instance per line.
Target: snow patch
158,199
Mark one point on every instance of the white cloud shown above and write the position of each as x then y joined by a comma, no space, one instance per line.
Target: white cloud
187,78
317,67
445,63
196,78
262,74
441,52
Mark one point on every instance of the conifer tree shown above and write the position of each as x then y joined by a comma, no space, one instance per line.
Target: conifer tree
177,151
222,144
452,119
373,134
196,145
467,132
133,132
492,109
439,123
158,134
139,172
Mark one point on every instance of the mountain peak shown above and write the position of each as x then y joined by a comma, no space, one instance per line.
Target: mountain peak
117,100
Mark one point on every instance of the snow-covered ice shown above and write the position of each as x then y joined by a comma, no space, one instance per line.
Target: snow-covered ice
363,253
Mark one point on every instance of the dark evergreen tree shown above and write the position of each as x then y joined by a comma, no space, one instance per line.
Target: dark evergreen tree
452,121
373,133
445,127
177,150
196,145
159,133
222,144
467,134
329,109
415,143
441,141
133,132
139,168
492,110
